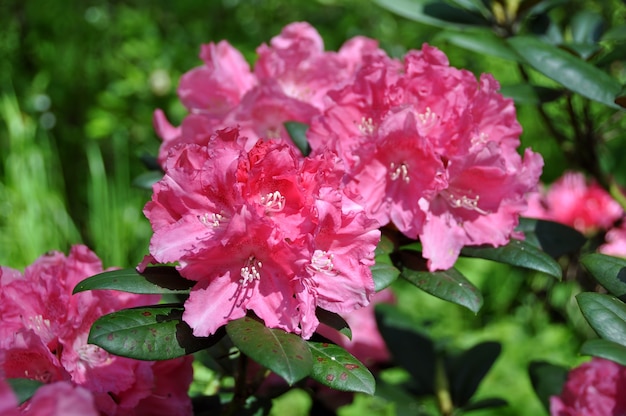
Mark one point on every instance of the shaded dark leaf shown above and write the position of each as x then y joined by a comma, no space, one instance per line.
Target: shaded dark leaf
148,333
547,380
158,280
488,403
334,321
23,388
586,27
433,12
336,368
605,349
297,132
606,314
530,94
552,237
384,275
467,370
482,41
609,271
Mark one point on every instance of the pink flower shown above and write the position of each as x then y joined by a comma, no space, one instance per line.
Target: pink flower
44,331
578,203
595,388
615,242
263,230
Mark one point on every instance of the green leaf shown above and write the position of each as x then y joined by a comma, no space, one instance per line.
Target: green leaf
568,70
410,349
605,349
384,275
467,370
286,354
518,253
433,12
148,333
147,179
336,368
297,132
615,34
609,271
586,27
482,41
552,237
530,94
488,403
153,280
334,321
606,315
448,285
24,388
547,380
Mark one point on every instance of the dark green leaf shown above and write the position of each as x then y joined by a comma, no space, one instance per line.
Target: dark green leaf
448,285
518,253
384,246
586,27
481,41
147,179
605,349
148,333
606,315
433,12
286,354
530,94
384,275
24,388
609,271
488,403
552,237
467,370
297,132
338,369
615,34
547,380
154,280
534,7
566,69
334,321
410,349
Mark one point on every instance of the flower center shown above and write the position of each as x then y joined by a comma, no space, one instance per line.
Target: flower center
322,262
92,355
250,271
463,202
273,202
211,220
367,126
399,172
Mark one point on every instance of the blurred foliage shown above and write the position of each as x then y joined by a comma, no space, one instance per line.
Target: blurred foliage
79,82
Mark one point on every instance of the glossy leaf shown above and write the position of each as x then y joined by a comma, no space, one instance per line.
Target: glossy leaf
606,315
481,41
467,370
552,237
148,333
286,354
566,69
334,321
433,12
488,403
24,388
609,271
147,179
410,349
605,349
153,280
297,133
336,368
384,275
518,253
448,285
547,380
586,27
530,94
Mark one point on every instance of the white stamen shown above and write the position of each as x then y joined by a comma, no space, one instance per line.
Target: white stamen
367,126
211,220
464,202
274,201
479,140
322,262
250,271
401,171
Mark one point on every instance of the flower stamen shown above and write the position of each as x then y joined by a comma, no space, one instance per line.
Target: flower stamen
464,202
273,202
401,171
322,262
211,220
250,271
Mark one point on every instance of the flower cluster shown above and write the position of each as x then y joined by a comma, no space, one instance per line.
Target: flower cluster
595,388
261,227
43,337
574,201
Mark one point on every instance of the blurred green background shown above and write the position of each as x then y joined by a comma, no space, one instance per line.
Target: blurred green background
79,81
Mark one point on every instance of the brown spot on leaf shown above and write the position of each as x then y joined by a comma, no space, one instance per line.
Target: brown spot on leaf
330,377
146,313
351,366
343,376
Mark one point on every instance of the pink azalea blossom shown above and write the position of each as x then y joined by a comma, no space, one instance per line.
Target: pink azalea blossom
595,388
615,242
574,201
262,230
44,331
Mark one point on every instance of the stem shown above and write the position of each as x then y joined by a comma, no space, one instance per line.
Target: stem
240,393
442,389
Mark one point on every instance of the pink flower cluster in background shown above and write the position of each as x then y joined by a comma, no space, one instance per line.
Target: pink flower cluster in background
413,143
595,388
43,337
584,205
